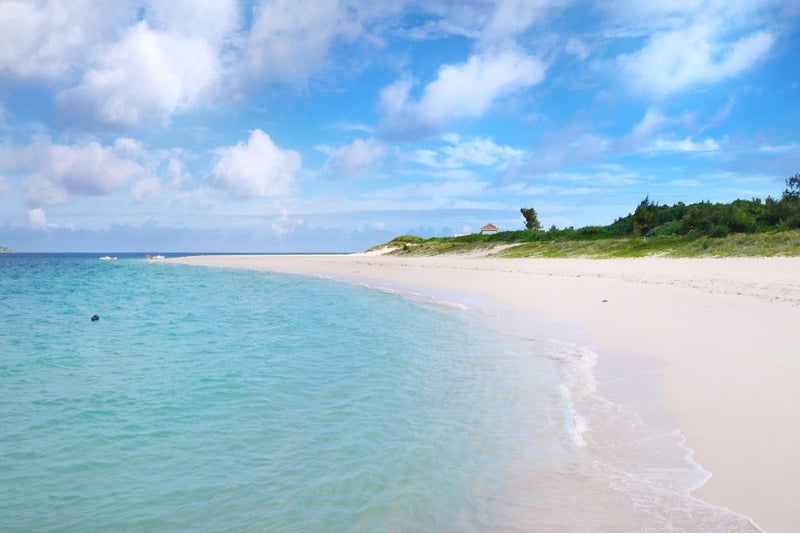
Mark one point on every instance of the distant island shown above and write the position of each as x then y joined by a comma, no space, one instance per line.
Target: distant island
741,228
4,250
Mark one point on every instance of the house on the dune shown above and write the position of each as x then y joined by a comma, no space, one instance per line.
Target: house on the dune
488,228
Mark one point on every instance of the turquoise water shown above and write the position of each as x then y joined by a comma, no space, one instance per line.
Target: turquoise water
211,399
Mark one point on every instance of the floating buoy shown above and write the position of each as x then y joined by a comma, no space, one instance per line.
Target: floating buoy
95,318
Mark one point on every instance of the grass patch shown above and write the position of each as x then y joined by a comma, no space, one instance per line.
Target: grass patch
537,244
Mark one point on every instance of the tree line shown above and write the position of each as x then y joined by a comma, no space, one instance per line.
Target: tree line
651,219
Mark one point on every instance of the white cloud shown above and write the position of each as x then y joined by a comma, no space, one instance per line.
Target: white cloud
128,74
164,169
288,39
478,151
216,21
350,160
577,48
129,64
46,39
674,60
394,97
466,90
470,89
129,147
652,121
37,220
488,22
657,132
634,19
683,145
146,188
780,148
143,79
175,171
258,168
353,126
44,191
291,39
58,173
513,17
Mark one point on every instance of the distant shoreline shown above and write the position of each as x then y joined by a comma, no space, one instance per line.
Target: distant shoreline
725,329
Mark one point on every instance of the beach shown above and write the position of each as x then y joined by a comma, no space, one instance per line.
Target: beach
722,335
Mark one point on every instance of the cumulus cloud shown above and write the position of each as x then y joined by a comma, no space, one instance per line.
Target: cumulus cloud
45,39
129,64
111,70
258,168
674,60
60,173
216,21
164,170
348,161
465,90
469,89
143,79
38,221
288,39
146,188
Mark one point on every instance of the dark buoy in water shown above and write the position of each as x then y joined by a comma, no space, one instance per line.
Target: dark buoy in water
95,318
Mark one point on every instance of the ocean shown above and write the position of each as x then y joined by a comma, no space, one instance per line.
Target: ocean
226,400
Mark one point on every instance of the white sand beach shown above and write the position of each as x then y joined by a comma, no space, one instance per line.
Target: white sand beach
726,331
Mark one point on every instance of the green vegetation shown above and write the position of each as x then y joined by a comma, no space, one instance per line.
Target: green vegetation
741,228
531,219
508,244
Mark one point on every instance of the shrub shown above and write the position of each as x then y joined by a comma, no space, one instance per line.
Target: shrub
669,229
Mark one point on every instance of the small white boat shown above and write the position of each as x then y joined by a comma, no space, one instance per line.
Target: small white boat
108,258
154,257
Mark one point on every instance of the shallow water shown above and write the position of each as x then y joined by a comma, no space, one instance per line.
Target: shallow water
230,400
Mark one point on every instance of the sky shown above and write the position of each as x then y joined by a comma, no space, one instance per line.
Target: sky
334,125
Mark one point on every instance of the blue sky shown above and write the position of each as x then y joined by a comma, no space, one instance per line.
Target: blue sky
331,126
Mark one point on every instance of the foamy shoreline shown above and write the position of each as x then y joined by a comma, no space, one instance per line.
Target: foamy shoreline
726,330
